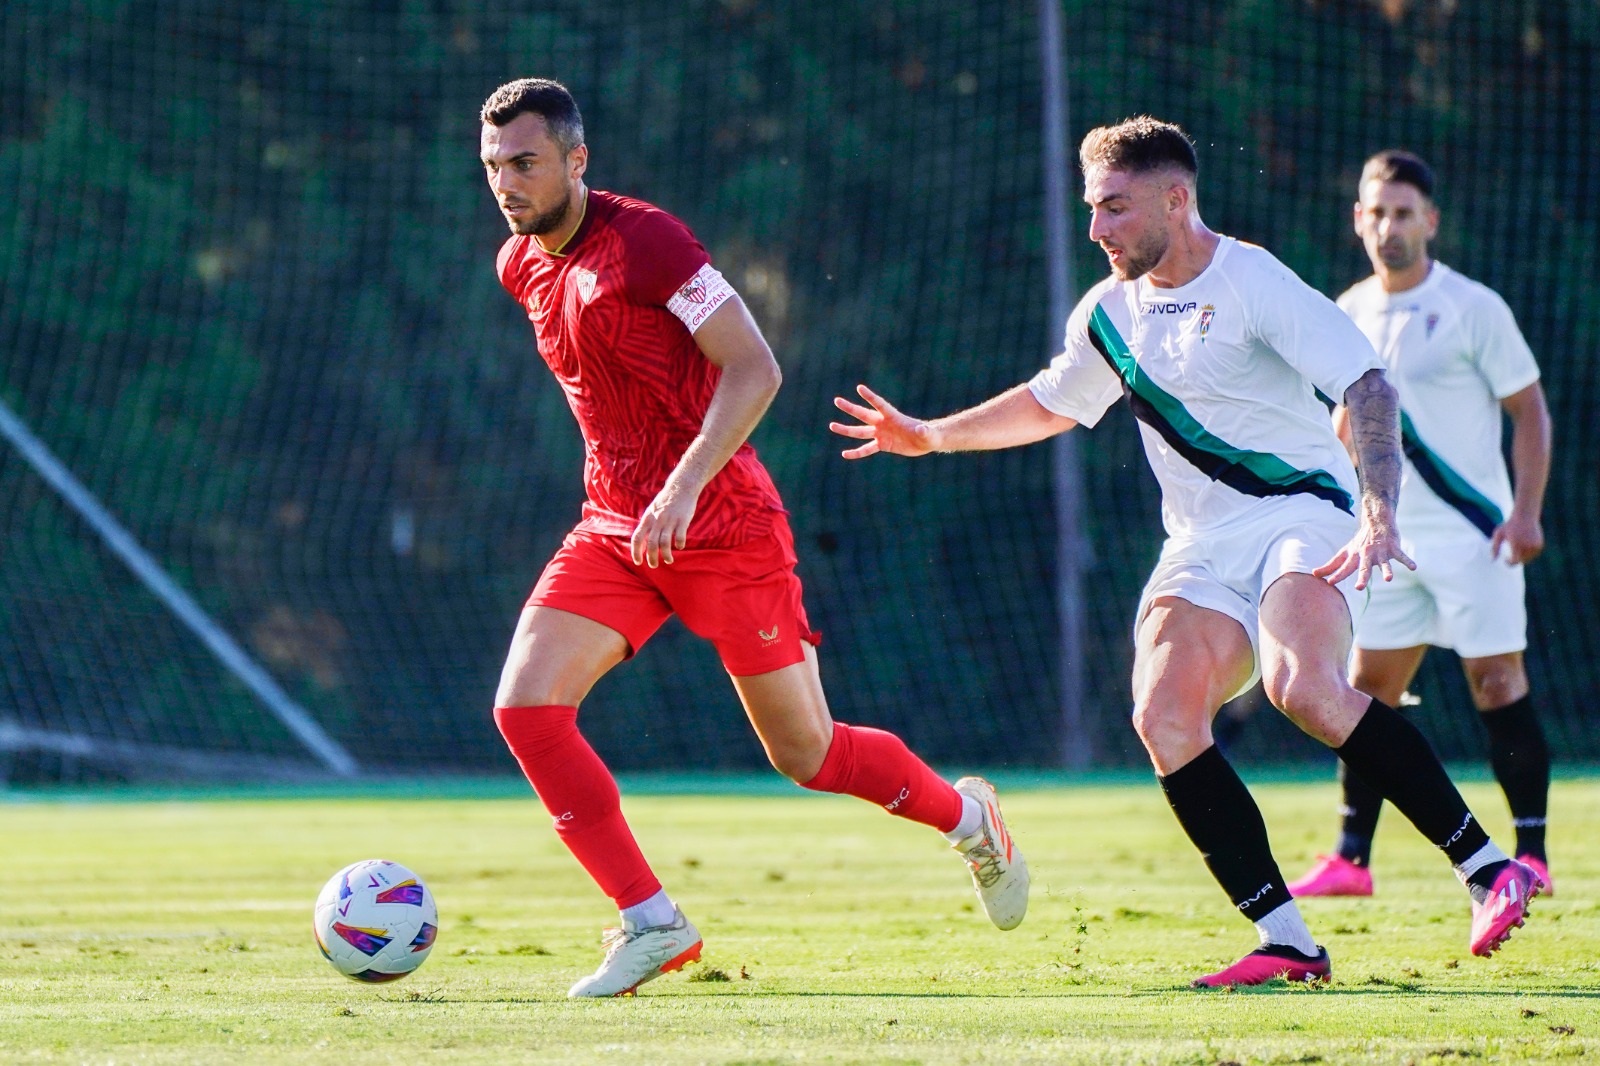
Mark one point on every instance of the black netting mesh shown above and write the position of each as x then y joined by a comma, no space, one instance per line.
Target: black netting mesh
247,298
1285,102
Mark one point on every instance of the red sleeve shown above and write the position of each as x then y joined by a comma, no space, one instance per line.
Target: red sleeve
662,255
508,265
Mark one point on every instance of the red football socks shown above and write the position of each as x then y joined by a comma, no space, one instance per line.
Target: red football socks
581,796
878,767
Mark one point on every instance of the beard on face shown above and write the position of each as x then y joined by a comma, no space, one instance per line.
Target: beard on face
541,224
1397,255
1138,260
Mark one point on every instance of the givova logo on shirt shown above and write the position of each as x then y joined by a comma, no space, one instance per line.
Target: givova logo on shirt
1168,307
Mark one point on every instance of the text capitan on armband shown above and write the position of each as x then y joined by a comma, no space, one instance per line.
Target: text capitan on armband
698,297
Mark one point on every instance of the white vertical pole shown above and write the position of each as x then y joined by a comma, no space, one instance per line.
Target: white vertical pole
1076,743
190,613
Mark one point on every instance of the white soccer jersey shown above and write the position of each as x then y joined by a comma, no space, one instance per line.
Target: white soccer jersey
1453,352
1220,375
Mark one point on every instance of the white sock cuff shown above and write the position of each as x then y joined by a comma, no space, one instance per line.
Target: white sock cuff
971,820
1284,925
1487,855
657,910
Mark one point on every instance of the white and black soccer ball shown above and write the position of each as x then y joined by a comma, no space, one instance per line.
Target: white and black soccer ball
375,920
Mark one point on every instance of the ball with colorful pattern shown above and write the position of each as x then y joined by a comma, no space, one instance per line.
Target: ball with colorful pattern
375,921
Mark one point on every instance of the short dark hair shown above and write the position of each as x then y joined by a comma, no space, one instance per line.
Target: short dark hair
1140,145
537,96
1397,164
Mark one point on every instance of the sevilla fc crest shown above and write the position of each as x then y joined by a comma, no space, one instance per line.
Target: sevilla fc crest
694,290
584,279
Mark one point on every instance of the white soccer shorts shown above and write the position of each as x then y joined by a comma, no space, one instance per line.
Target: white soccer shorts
1228,570
1459,597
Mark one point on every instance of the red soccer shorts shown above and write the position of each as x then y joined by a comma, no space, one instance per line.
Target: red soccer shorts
745,600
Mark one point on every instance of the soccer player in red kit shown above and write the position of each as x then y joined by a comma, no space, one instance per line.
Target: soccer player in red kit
667,375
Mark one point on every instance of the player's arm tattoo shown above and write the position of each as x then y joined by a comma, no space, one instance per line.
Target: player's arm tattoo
1374,409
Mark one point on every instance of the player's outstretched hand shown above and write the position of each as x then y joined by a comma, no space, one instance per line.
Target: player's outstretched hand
882,427
1519,538
1374,547
663,527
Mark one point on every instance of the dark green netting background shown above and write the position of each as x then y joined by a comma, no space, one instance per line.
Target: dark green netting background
247,298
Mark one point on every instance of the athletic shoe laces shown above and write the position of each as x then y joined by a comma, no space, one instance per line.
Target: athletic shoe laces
614,940
984,858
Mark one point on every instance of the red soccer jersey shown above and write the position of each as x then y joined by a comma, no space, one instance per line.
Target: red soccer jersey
636,381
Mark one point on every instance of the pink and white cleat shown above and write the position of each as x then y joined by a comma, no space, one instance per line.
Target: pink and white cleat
1504,907
1333,875
1537,865
1270,961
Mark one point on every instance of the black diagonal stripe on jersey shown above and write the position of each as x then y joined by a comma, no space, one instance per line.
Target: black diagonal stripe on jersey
1446,484
1252,473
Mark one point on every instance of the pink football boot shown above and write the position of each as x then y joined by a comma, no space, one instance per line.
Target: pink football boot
1538,866
1504,908
1267,962
1333,875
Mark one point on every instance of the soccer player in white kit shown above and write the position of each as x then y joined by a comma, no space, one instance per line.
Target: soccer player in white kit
1457,359
1220,348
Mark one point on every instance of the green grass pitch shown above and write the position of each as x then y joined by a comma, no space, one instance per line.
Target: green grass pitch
160,931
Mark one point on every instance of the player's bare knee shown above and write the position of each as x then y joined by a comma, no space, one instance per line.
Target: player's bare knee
799,762
1146,722
525,685
1305,696
1169,734
1492,691
1378,688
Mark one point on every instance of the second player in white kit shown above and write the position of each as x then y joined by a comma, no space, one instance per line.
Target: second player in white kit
1458,361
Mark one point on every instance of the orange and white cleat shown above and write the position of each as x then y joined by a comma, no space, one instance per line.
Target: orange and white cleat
999,872
1269,962
1503,908
634,956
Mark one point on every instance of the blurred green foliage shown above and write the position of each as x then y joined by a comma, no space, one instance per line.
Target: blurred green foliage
246,293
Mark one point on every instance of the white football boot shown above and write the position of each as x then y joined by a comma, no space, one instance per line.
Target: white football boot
634,956
999,872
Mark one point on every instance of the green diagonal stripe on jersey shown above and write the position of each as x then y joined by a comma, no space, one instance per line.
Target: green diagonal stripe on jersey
1448,485
1250,472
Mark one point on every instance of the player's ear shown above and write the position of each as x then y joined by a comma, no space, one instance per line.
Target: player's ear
1178,196
1355,218
577,162
1432,216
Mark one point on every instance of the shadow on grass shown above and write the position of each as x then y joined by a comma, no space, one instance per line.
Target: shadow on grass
666,994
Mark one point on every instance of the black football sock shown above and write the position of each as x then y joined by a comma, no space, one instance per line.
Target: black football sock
1223,821
1359,816
1397,760
1521,761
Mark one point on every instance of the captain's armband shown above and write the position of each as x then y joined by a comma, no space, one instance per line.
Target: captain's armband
698,297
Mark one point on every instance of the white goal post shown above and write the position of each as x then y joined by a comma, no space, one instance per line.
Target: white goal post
329,752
